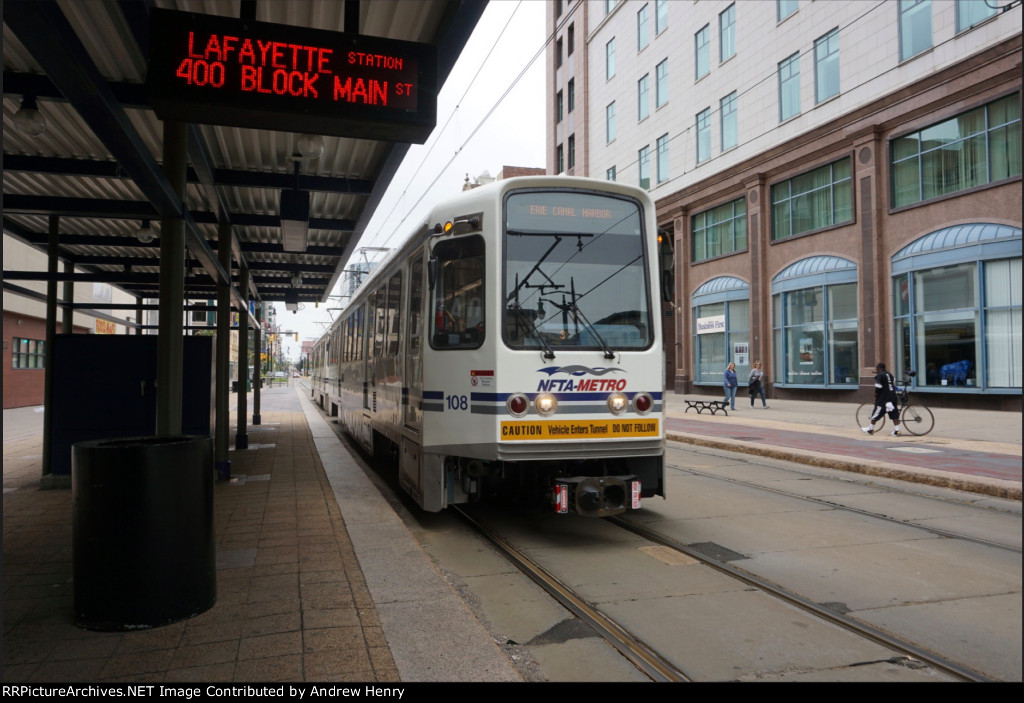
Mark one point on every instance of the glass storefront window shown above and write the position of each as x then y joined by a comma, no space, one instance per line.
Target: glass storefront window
729,342
1003,323
816,335
945,341
956,332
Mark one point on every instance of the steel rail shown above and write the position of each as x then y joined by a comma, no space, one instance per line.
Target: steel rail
643,657
877,636
937,531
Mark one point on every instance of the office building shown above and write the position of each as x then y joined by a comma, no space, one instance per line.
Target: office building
842,181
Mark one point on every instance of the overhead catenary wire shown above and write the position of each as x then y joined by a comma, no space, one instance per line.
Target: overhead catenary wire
441,171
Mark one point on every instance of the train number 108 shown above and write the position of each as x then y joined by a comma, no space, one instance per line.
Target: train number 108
458,402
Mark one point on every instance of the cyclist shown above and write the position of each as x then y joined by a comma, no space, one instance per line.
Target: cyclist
886,400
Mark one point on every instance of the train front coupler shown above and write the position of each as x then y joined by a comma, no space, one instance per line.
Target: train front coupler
596,496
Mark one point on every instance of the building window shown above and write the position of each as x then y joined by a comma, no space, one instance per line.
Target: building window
642,38
558,53
702,50
826,66
559,105
609,59
784,8
560,158
704,135
207,316
972,12
730,129
661,84
721,330
609,5
816,341
957,308
727,33
572,150
662,148
558,8
571,39
660,16
813,200
789,87
643,100
609,174
721,230
974,148
609,122
28,353
915,27
572,94
644,162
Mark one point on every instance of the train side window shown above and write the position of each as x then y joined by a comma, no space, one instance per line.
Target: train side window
394,313
359,353
379,319
458,295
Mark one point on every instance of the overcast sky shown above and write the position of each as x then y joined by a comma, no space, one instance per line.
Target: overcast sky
513,135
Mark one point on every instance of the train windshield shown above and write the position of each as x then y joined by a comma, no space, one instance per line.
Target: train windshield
575,272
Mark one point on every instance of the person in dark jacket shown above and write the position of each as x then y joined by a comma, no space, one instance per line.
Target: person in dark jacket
755,385
730,384
886,400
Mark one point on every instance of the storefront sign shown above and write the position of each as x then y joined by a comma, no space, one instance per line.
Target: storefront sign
709,325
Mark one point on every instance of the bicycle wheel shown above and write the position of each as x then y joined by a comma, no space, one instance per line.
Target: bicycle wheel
864,417
917,419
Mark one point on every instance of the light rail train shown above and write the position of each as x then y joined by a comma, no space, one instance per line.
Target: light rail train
513,347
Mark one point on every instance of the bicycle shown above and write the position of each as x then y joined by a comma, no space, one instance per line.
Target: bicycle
915,419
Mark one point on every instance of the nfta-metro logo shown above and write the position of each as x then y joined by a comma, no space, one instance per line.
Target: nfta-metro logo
573,383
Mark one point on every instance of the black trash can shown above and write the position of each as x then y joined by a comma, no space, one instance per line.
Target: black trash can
143,551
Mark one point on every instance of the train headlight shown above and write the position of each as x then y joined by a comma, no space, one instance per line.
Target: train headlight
546,404
617,403
642,403
517,404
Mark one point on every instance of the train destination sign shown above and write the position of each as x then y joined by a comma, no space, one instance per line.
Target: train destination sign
222,70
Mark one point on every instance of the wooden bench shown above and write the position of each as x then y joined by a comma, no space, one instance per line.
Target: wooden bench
714,406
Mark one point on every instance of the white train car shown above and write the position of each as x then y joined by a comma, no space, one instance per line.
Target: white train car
512,346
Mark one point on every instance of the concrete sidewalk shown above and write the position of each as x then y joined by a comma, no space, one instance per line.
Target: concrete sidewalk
317,578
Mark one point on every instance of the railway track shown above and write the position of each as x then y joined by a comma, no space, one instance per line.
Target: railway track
643,657
899,646
654,665
832,503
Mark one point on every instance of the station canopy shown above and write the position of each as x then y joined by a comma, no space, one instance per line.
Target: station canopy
95,158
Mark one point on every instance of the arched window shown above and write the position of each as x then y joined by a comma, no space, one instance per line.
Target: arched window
814,304
721,329
957,300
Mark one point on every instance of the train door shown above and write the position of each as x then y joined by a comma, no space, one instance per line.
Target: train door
389,374
413,372
375,342
410,464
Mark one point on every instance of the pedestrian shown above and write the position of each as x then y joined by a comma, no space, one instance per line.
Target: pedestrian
730,383
755,384
886,401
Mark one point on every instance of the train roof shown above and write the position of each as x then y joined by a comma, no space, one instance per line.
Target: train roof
473,200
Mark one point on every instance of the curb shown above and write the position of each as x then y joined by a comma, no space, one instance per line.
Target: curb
996,488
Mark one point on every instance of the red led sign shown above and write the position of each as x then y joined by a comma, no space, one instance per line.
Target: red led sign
220,70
